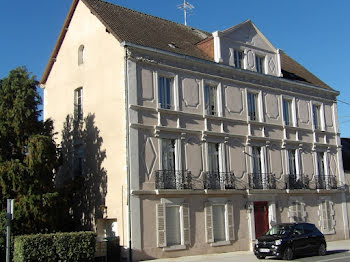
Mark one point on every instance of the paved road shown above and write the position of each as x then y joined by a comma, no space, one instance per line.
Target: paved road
338,251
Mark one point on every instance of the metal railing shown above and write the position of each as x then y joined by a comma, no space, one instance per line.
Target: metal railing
262,181
295,182
326,182
219,180
173,179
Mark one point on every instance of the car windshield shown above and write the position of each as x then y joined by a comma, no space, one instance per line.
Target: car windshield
279,230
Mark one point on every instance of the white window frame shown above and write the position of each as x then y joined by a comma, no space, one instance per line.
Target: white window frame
236,52
262,59
330,216
297,210
229,221
292,113
185,230
178,156
321,120
259,108
263,161
207,110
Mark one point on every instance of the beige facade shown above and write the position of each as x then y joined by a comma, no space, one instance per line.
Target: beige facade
207,155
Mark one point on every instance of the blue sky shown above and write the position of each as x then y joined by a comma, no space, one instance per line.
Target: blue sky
313,32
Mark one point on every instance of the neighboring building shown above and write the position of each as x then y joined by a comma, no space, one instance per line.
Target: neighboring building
345,142
210,138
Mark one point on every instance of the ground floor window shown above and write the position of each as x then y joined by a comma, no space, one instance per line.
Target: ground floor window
297,211
219,222
173,223
327,221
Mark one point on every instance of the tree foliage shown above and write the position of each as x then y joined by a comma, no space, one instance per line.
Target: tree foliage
28,155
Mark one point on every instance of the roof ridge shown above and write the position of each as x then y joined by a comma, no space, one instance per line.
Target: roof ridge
153,16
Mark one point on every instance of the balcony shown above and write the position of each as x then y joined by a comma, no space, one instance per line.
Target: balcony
173,179
294,182
262,181
326,182
219,180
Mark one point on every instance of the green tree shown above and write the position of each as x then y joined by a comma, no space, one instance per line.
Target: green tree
28,155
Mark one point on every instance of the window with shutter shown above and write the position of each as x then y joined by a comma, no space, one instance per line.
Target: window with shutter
219,222
327,216
161,225
297,211
173,228
230,221
209,222
186,224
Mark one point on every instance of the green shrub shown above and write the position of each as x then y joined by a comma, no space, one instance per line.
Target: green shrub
74,246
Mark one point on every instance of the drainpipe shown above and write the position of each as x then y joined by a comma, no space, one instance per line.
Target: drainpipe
127,149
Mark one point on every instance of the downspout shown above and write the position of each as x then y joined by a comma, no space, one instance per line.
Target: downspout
127,148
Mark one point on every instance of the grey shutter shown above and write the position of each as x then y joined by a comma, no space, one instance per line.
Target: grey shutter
209,222
186,223
161,226
230,221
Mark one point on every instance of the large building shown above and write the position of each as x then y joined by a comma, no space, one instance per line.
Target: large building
209,138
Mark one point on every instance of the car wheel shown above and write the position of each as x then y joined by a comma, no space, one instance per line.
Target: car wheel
322,250
288,254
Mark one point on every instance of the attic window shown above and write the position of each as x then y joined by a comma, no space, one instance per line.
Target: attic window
172,45
81,55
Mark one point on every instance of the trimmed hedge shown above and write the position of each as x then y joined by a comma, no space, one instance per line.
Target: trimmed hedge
73,246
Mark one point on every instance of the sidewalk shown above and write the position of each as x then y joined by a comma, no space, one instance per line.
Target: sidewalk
245,256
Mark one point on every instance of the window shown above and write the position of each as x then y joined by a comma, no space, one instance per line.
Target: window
327,222
219,221
78,104
316,116
213,153
256,155
173,228
173,223
81,55
168,154
292,162
287,112
259,62
322,182
252,106
164,92
238,58
297,211
210,95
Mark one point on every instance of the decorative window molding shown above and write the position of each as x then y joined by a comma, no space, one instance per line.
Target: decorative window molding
219,222
165,92
255,106
173,224
326,214
211,99
297,211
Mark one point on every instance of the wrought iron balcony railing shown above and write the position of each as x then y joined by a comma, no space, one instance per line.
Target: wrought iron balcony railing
295,182
219,180
173,179
326,182
262,181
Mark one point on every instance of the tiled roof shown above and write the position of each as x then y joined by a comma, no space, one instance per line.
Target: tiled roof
150,31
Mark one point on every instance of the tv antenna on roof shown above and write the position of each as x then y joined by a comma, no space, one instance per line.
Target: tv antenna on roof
185,6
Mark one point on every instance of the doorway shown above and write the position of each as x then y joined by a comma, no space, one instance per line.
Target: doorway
261,218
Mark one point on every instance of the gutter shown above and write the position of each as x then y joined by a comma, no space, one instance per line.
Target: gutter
207,62
128,152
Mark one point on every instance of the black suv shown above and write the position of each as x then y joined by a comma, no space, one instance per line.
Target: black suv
289,239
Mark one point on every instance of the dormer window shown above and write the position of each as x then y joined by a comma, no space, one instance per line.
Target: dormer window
238,58
259,62
81,55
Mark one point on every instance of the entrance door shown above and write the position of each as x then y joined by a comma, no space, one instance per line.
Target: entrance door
261,218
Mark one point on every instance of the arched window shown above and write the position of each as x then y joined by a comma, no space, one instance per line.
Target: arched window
81,55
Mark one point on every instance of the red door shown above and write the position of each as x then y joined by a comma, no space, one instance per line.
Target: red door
261,218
